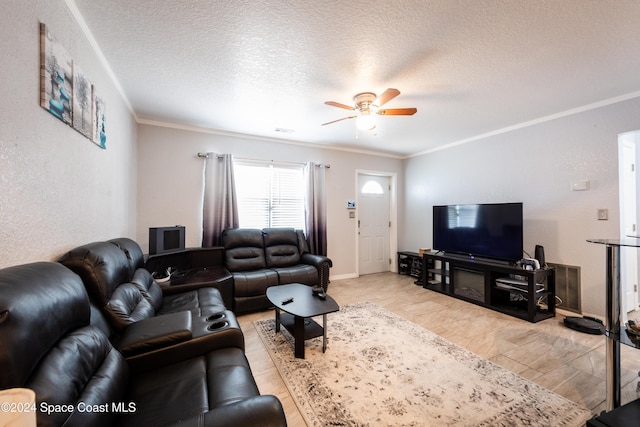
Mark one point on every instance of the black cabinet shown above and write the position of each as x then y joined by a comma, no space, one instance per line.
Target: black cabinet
527,294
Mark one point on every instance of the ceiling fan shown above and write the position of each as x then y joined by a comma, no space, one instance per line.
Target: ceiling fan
367,104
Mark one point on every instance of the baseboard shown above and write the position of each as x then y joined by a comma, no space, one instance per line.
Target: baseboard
563,312
343,276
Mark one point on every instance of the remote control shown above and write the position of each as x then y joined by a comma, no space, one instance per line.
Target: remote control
287,301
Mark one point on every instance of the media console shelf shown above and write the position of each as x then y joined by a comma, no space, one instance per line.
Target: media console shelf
526,294
411,263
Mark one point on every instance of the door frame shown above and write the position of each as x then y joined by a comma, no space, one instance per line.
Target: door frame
629,271
393,216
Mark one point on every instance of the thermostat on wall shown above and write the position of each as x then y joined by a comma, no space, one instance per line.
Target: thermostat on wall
351,204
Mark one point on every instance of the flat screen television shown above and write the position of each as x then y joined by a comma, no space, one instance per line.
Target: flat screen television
165,239
492,230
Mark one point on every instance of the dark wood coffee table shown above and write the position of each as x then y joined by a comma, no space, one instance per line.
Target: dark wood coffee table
297,314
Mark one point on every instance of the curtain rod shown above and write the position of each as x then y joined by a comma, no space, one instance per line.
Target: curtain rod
205,156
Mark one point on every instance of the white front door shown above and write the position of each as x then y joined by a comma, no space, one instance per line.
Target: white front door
373,219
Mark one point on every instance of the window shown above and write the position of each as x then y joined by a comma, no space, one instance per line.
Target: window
269,195
372,187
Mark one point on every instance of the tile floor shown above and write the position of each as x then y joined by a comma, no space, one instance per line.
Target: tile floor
568,362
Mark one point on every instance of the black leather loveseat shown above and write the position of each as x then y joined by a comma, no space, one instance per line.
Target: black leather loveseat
258,259
51,343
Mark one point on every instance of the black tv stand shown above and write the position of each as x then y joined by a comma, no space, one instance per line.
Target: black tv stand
526,294
411,263
473,258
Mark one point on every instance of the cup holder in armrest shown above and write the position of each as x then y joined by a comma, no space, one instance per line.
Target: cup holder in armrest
218,325
216,316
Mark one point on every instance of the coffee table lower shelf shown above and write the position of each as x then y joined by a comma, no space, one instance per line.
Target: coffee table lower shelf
295,306
311,328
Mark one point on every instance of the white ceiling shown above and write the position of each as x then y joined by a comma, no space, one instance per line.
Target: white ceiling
470,67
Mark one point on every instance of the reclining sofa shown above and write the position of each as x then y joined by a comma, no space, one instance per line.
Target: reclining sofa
145,325
258,259
52,342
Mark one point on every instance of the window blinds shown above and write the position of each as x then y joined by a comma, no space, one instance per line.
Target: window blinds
269,195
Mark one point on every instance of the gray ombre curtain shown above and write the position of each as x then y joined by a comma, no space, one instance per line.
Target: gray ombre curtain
220,205
315,209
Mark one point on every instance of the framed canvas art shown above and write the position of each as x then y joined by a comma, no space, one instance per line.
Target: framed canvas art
56,77
82,102
67,92
99,132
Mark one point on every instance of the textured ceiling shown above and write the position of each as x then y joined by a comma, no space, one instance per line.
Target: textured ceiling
470,67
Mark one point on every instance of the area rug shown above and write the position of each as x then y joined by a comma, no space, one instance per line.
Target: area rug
381,369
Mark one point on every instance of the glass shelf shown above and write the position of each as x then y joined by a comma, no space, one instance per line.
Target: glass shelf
615,330
630,242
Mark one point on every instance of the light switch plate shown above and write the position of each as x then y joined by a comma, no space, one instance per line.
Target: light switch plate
603,214
580,185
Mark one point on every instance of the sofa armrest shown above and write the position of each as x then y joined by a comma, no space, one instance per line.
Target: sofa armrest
318,261
155,332
322,264
258,411
203,342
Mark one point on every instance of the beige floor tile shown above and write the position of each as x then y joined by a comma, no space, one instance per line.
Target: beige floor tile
568,362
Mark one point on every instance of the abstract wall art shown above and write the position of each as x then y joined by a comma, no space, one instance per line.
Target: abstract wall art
56,76
82,102
67,92
99,134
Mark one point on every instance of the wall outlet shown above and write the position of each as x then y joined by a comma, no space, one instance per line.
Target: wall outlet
603,214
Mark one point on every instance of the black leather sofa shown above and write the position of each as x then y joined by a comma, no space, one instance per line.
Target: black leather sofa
145,325
258,259
51,342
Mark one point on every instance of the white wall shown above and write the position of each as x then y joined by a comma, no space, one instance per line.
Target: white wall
57,189
170,182
535,165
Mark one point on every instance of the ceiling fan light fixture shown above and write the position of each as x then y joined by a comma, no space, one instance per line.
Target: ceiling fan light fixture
366,120
367,107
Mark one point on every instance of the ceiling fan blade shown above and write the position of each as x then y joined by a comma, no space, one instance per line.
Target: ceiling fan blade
398,112
337,104
387,96
344,118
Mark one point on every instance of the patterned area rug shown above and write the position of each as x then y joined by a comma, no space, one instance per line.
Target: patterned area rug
381,369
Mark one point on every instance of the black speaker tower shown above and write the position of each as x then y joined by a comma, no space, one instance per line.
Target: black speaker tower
540,255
